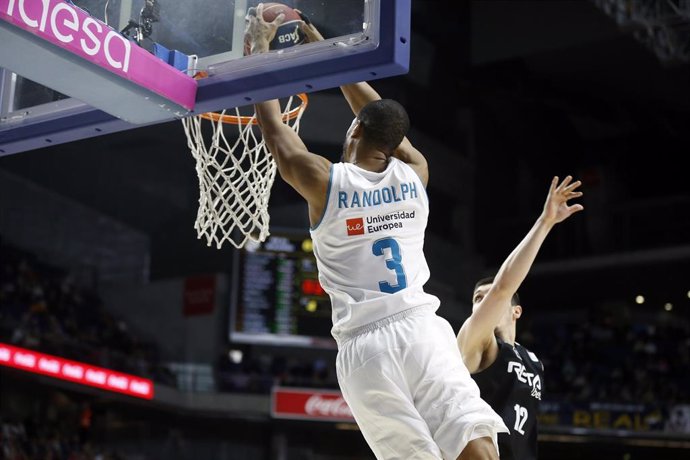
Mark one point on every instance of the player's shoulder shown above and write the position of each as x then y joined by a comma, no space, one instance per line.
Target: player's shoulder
397,163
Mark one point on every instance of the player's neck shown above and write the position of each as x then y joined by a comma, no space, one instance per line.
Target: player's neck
507,334
372,160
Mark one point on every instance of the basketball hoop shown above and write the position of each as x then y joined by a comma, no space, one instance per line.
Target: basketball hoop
235,178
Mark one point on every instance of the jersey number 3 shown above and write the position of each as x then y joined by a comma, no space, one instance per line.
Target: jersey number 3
393,263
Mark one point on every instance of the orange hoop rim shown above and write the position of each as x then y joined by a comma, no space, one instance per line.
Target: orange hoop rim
245,120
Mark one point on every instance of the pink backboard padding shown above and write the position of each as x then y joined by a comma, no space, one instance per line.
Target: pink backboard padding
72,29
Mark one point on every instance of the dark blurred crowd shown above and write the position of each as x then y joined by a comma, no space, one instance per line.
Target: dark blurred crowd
56,428
19,442
614,355
41,308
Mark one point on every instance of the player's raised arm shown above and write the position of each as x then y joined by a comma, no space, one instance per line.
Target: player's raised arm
360,94
357,94
306,172
476,336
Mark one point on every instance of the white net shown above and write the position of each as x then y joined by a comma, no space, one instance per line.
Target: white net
235,174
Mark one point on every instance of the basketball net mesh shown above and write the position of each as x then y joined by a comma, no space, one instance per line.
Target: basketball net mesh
235,177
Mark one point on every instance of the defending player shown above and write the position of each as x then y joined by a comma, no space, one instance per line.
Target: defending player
510,377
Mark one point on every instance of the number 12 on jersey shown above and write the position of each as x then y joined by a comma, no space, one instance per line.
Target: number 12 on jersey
393,263
521,415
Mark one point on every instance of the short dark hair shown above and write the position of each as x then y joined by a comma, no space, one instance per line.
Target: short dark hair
385,123
515,300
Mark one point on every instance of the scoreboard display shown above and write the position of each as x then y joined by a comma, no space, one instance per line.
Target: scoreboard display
276,297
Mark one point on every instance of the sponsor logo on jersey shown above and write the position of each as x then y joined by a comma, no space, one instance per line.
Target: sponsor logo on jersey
524,376
355,226
378,223
388,221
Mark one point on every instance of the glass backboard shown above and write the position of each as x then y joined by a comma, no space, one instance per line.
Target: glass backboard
365,40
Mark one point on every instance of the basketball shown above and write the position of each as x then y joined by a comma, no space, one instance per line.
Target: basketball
288,34
273,9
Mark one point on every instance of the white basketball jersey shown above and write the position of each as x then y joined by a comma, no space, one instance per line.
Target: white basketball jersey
369,244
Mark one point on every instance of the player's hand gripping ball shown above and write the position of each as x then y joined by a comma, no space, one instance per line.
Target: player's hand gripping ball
288,33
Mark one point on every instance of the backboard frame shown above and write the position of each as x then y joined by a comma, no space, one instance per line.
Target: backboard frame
382,50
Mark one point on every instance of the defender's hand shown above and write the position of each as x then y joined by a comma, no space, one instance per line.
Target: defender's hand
556,208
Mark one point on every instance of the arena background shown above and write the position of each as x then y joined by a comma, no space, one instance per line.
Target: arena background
101,264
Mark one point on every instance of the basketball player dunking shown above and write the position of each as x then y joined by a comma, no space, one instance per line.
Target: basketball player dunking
509,376
398,364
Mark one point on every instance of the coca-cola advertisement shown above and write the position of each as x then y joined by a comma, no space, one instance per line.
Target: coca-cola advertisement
309,404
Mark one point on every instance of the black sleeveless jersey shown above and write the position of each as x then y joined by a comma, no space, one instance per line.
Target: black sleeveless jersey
512,386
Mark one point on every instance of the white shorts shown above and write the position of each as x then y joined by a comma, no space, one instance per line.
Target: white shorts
409,390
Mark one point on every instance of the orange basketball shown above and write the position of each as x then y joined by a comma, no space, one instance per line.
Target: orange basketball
273,9
289,33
